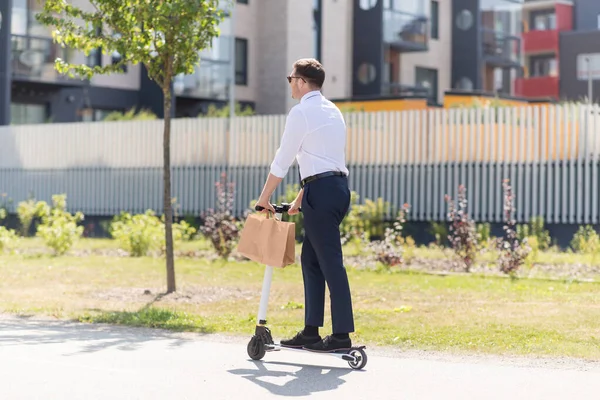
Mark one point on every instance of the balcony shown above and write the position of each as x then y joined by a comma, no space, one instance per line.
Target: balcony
540,41
212,76
543,20
32,59
405,32
537,87
500,49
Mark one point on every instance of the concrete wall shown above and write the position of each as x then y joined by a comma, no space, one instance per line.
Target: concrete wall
246,23
336,45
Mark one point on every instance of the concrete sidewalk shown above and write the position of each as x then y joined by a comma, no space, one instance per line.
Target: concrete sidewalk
44,359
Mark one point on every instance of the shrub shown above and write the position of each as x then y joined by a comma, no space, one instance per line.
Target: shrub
8,238
463,232
389,251
141,233
220,226
364,222
352,228
513,251
138,234
59,228
586,240
535,228
6,202
29,210
440,232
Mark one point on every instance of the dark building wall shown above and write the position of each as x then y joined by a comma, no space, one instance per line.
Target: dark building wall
466,45
586,15
5,72
367,59
571,45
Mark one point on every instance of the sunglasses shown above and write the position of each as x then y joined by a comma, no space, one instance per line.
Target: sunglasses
289,78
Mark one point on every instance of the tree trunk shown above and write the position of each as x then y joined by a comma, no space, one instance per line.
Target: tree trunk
167,186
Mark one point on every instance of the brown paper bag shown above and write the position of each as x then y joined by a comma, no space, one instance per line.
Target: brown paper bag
268,241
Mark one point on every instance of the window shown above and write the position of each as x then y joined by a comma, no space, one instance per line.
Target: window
598,21
543,20
435,20
23,18
23,114
428,78
241,61
543,66
242,1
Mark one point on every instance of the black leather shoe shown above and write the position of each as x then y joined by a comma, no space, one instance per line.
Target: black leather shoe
329,344
300,340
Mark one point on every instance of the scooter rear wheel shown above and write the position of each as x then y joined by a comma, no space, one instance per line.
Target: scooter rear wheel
360,359
256,348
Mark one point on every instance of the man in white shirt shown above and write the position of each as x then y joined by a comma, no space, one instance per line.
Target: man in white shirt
315,135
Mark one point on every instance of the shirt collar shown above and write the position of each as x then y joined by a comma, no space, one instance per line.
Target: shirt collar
309,95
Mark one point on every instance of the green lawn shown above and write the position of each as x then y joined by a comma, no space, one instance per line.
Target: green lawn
411,310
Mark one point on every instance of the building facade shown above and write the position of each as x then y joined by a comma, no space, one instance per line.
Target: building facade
579,58
267,36
371,49
543,21
486,45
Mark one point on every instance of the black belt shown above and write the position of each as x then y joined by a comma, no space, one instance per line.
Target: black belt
319,176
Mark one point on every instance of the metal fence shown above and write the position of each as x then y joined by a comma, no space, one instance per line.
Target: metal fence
550,153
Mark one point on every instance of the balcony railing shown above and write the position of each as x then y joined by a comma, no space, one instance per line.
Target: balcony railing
540,41
501,49
212,76
399,89
537,87
404,31
32,58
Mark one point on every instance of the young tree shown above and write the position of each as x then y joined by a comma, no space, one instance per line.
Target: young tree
165,36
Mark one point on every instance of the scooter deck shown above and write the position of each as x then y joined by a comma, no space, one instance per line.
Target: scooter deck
344,354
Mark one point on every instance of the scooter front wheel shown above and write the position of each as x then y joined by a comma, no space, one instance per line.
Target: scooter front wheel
256,348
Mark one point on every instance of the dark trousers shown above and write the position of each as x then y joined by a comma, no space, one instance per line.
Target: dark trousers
325,203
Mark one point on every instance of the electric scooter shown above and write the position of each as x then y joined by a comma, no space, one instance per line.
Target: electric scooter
262,340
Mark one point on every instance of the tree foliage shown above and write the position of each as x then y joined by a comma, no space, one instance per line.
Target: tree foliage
166,36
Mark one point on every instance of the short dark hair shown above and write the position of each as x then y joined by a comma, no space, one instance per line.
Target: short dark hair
311,70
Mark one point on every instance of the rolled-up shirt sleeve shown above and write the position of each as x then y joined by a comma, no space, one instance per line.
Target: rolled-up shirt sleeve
294,132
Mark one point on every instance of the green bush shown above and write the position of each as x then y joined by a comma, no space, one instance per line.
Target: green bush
8,238
59,228
535,228
586,240
29,210
141,233
365,221
4,206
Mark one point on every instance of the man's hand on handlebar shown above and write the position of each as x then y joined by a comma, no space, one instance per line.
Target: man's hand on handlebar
264,206
294,207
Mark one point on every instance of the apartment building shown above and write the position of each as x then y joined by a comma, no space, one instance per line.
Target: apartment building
543,23
267,36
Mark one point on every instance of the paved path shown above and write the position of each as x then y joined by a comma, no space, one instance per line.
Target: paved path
58,360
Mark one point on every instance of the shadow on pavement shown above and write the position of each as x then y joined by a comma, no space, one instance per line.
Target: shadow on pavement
91,337
307,380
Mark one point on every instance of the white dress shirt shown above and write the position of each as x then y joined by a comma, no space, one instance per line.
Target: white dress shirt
315,135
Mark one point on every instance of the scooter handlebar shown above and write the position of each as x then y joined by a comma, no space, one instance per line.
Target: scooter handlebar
281,208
